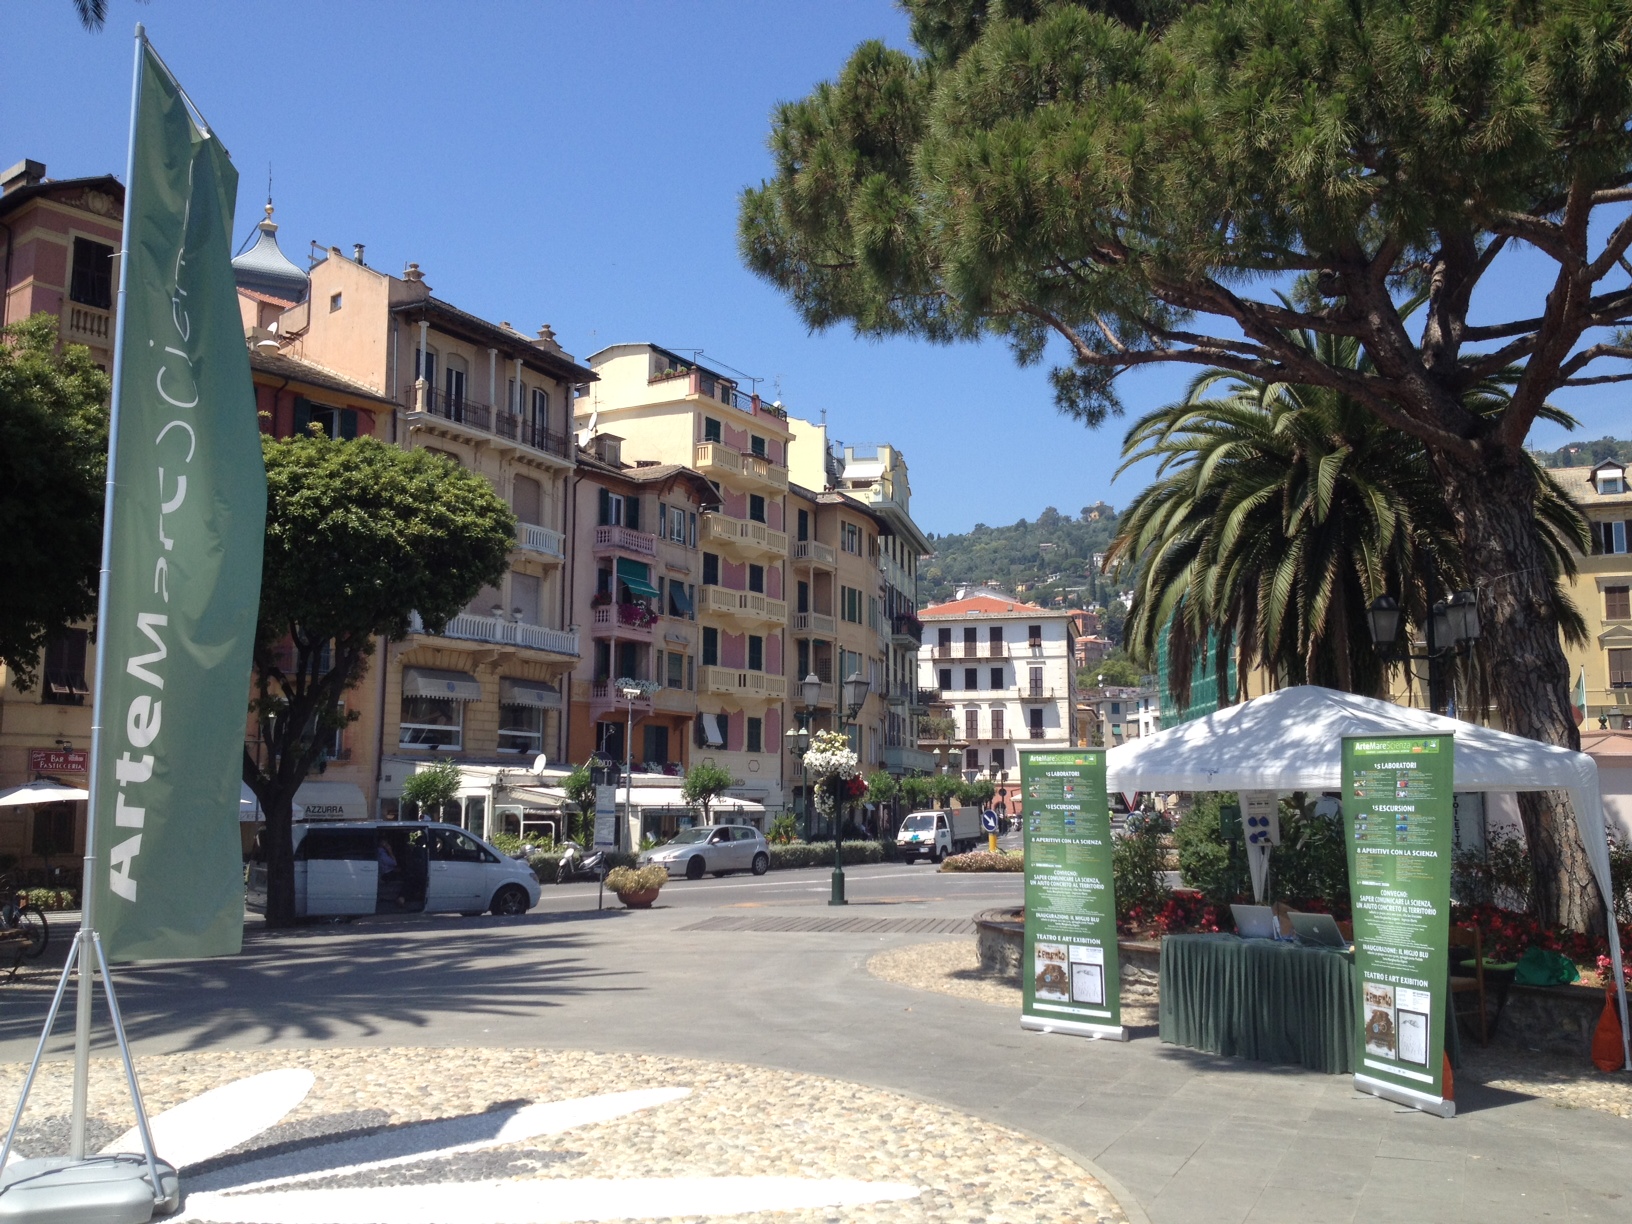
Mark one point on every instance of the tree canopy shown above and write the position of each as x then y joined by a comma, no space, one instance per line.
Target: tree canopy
705,782
1114,184
360,536
53,461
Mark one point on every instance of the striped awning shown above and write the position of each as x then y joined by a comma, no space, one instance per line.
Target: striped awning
448,685
534,693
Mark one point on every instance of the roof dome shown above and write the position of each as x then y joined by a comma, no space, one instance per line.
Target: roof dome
264,268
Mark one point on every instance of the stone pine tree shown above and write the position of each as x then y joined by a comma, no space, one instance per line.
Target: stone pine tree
359,537
53,461
1107,186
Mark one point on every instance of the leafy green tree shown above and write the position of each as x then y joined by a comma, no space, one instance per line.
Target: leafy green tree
1115,670
977,793
703,784
943,788
359,537
579,786
1280,511
1133,184
53,462
917,792
432,788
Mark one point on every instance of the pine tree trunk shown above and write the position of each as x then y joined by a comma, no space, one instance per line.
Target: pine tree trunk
1493,505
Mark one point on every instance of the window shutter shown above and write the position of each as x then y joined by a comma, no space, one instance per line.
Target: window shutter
303,415
348,423
606,508
631,512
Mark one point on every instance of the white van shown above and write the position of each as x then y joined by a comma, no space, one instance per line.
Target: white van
397,867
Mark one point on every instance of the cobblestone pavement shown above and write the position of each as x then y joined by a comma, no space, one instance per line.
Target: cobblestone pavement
738,1121
951,967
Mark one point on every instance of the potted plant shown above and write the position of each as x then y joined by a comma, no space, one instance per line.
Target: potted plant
637,887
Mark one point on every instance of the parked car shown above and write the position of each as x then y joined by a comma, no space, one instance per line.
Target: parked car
716,848
397,867
934,835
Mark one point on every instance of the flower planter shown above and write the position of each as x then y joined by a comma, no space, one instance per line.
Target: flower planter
639,900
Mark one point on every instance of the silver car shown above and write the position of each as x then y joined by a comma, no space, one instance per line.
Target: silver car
716,848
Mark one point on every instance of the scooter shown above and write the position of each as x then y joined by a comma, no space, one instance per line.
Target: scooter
576,865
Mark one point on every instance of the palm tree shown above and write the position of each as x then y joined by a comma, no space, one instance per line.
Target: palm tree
1279,512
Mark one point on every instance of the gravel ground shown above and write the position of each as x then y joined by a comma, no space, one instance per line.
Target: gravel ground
738,1121
1570,1083
953,968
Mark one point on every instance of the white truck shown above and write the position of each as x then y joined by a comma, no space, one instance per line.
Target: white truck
934,835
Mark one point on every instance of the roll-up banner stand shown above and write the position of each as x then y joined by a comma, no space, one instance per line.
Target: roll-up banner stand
1398,818
1071,982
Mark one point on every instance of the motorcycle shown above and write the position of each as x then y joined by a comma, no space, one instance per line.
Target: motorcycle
576,865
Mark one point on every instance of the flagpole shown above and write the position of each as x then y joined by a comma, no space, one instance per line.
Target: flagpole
87,886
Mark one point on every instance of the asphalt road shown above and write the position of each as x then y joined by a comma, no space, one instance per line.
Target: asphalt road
873,884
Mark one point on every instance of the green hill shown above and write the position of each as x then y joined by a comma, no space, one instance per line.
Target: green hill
1586,454
1051,555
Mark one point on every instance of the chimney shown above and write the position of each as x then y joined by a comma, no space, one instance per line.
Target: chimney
357,253
415,280
25,173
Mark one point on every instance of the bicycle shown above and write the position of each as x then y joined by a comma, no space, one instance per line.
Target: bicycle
21,924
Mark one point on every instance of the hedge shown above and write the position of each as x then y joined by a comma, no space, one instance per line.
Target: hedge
818,854
53,899
985,860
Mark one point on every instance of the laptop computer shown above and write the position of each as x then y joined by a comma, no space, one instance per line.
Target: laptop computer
1255,922
1318,929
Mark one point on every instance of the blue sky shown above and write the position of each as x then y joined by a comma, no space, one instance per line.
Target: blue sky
579,165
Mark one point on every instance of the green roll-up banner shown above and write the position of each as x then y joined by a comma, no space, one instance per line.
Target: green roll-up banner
1397,814
182,562
1069,976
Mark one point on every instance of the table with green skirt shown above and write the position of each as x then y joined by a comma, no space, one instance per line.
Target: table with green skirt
1261,999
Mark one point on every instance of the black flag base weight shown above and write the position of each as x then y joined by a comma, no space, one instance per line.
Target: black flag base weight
115,1188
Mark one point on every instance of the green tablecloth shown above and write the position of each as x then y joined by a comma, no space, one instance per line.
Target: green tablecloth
1260,999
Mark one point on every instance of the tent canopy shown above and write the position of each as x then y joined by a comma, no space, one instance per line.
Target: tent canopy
1292,739
44,790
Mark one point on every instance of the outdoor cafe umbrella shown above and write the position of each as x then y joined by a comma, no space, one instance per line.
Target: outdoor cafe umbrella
42,791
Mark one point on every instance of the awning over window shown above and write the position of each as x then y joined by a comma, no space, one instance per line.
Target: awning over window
448,685
534,693
713,737
679,598
638,586
330,801
637,576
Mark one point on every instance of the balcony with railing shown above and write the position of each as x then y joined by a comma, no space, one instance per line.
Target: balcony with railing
741,605
604,695
431,406
900,759
1040,692
470,628
742,684
812,553
628,621
716,459
87,325
906,631
543,542
743,536
806,624
623,540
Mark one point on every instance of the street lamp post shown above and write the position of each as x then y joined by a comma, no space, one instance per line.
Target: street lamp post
798,736
632,692
856,688
1451,629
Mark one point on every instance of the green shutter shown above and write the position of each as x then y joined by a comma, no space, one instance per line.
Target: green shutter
348,423
631,513
606,508
303,415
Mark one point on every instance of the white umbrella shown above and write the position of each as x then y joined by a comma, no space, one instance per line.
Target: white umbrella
43,791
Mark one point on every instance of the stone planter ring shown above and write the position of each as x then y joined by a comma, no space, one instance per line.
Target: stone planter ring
639,900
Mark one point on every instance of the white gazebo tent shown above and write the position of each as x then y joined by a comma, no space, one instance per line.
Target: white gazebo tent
1292,739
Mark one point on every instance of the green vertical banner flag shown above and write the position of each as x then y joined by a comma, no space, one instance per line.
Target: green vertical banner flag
1069,977
1398,816
182,556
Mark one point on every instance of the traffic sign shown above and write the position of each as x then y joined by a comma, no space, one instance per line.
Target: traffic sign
988,821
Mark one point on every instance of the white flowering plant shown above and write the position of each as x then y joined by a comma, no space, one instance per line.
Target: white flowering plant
831,765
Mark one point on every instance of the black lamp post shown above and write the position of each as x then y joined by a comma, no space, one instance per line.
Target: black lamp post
856,688
798,737
1452,629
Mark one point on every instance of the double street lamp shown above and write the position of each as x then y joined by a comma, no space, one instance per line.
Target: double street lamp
1452,629
798,736
856,688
